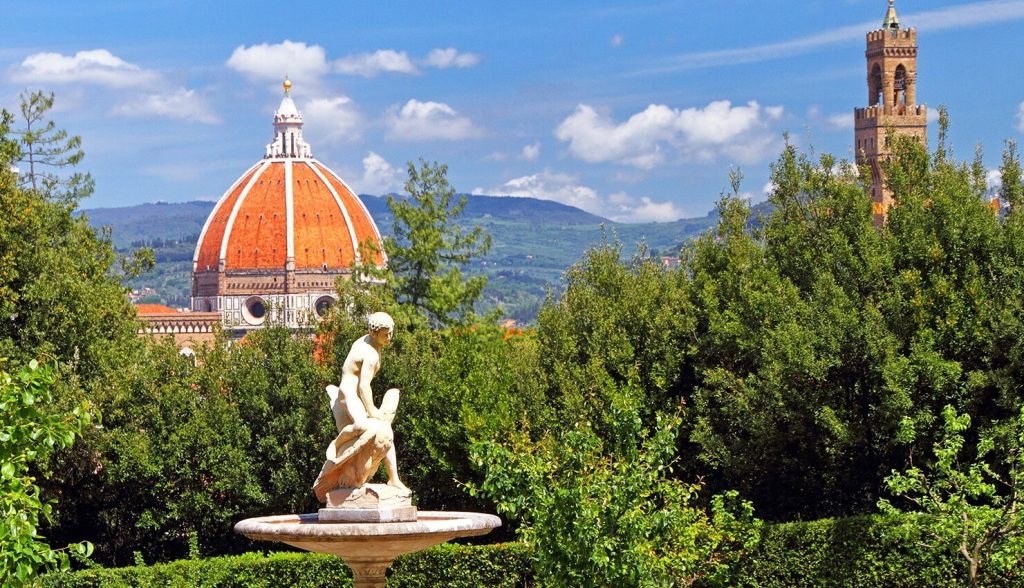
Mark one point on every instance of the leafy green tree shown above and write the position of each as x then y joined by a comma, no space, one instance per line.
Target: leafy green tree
593,341
605,510
58,297
46,150
29,433
797,341
427,247
972,504
190,446
1012,187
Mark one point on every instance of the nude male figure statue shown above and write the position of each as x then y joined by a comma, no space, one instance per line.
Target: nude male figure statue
364,436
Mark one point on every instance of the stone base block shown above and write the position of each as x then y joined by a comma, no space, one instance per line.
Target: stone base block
371,496
402,514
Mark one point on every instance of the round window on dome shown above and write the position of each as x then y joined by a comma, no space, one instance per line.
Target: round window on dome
322,305
254,310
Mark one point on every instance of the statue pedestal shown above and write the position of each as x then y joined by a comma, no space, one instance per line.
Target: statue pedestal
370,503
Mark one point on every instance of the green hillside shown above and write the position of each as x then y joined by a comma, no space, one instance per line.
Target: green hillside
533,242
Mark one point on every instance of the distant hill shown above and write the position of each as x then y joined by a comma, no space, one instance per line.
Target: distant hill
532,243
170,221
159,220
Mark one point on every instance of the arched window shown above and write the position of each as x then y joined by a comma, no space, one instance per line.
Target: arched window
899,86
876,85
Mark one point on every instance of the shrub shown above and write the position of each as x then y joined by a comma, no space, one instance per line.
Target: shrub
456,566
850,552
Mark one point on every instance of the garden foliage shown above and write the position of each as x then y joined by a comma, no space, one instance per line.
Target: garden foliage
971,504
454,566
30,431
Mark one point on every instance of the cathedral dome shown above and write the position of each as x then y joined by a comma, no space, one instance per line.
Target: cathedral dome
281,234
283,210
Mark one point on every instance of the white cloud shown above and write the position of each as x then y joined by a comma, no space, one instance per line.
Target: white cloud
97,66
932,116
548,185
332,120
371,64
955,17
567,189
425,121
531,152
617,40
645,210
379,176
1020,117
302,63
181,104
450,57
528,153
841,121
719,129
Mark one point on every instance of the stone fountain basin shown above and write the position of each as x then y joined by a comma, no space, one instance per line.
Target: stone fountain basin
358,541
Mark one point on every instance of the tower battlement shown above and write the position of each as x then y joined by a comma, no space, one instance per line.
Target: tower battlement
870,112
893,36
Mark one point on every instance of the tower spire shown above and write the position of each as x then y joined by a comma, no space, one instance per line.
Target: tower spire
288,141
891,22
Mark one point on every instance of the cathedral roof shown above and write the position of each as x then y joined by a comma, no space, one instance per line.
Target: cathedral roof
287,211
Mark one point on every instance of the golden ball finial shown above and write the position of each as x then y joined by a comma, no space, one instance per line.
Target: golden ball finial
287,85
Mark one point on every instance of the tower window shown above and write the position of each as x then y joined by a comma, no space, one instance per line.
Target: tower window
899,86
875,87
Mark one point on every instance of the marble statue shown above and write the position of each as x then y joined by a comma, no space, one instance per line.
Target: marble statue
364,436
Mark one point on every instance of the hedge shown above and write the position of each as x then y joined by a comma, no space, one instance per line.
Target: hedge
853,552
459,566
842,553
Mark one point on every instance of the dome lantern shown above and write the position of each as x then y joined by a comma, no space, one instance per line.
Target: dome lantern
288,141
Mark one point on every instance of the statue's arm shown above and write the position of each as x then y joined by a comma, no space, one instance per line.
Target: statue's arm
366,372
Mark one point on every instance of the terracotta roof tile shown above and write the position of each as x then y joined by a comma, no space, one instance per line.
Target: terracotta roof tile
259,235
154,309
209,247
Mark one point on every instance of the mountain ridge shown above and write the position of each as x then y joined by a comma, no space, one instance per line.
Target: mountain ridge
533,242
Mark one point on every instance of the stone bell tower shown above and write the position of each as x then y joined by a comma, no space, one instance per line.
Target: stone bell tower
892,103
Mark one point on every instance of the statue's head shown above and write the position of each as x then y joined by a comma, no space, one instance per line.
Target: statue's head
382,327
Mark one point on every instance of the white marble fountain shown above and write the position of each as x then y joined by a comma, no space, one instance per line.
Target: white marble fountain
367,525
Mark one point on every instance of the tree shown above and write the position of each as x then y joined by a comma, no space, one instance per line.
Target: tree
30,431
58,296
798,341
427,247
969,503
189,447
605,510
45,149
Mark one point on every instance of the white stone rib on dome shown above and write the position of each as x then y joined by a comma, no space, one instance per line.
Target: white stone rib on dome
216,207
289,214
366,211
222,256
341,206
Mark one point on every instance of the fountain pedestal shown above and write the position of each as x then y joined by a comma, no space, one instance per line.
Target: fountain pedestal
367,548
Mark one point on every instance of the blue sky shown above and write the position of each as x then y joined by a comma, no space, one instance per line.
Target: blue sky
631,110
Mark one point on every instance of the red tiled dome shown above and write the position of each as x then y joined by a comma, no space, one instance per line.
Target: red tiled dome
283,208
287,207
